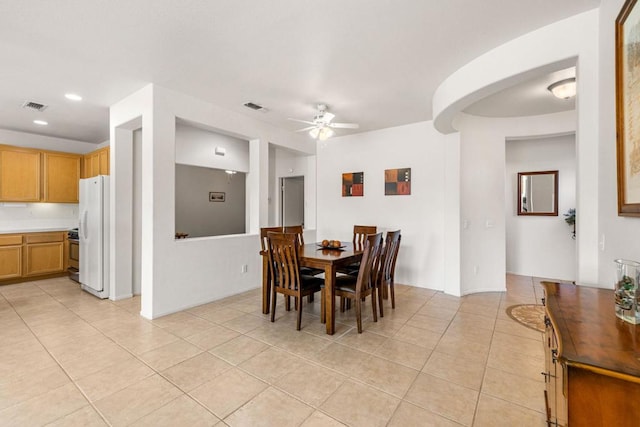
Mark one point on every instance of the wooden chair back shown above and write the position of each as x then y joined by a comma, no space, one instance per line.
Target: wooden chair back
264,240
283,260
370,257
297,229
390,255
360,233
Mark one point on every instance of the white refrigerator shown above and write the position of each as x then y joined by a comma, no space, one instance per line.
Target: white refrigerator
93,233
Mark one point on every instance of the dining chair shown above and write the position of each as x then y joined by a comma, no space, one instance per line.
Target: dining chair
285,271
298,230
360,233
387,269
266,270
357,288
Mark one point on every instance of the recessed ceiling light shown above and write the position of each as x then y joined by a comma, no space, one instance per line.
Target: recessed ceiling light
40,122
73,97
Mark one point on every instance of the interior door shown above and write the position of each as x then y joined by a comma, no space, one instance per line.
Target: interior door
292,198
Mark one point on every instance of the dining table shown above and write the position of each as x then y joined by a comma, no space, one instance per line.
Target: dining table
315,256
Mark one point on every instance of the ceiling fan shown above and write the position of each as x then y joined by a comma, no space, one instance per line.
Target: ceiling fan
321,127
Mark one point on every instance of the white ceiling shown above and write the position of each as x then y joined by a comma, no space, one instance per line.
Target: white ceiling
374,62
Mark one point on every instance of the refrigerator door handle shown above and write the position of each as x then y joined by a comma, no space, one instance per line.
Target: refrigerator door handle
83,224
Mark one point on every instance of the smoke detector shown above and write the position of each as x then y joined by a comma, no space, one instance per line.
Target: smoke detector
31,105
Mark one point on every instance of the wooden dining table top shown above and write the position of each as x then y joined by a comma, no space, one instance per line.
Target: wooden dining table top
313,255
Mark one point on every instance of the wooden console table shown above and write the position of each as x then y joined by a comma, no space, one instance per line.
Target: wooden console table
592,370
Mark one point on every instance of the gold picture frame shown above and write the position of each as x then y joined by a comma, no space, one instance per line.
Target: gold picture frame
628,108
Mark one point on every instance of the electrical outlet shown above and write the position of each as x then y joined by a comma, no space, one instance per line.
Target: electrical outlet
245,268
475,269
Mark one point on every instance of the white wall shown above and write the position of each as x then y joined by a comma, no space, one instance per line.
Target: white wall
541,245
195,146
482,191
177,274
420,216
41,142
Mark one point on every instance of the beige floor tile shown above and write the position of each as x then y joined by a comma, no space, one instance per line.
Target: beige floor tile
185,409
183,324
341,358
221,315
436,312
171,354
320,329
271,364
518,344
270,408
458,370
429,323
443,397
403,353
239,349
195,371
141,342
459,346
349,406
319,419
303,344
478,335
245,323
385,375
212,337
83,417
113,378
512,327
44,408
34,382
475,320
411,415
491,409
418,336
514,388
137,400
309,383
228,392
516,363
90,363
366,341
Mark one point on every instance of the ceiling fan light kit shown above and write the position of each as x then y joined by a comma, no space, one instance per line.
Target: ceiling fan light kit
321,127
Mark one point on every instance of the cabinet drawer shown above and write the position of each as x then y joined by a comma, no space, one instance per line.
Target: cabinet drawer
10,239
44,237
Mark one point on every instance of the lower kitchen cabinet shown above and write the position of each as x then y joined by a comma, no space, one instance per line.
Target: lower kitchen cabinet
29,255
10,256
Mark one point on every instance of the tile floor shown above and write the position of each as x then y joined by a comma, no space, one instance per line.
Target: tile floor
69,359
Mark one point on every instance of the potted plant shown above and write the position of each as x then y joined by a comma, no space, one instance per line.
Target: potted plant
570,218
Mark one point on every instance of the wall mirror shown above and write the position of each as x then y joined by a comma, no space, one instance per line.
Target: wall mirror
538,193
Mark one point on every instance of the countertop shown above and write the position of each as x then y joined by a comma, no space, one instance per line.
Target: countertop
33,230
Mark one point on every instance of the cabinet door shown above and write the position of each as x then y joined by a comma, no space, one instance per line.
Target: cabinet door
10,262
44,258
104,161
62,175
19,175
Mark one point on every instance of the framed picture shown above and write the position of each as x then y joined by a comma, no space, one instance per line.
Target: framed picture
628,108
216,196
397,182
353,184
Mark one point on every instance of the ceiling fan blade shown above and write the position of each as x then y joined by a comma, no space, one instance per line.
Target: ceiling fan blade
305,129
301,121
327,117
344,125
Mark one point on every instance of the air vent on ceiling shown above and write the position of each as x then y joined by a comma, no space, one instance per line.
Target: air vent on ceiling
253,106
34,106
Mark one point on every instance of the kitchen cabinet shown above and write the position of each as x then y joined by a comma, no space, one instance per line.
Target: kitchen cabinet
20,177
592,372
96,163
10,256
43,253
61,177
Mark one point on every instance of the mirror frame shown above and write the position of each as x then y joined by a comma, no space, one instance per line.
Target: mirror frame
555,194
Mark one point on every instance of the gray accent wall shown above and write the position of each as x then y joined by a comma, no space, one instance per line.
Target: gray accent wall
199,217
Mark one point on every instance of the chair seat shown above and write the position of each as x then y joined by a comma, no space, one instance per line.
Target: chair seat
309,282
308,271
345,284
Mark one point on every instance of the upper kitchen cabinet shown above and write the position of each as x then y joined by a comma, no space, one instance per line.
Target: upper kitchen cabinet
96,163
19,174
61,177
29,175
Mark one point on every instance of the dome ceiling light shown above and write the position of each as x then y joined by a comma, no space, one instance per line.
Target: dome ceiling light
564,89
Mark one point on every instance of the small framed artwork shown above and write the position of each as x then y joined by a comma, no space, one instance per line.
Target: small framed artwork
216,196
353,184
628,108
397,182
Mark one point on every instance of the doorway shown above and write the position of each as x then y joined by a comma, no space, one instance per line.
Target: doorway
292,200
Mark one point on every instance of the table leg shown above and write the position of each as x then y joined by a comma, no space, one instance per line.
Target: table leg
266,285
330,298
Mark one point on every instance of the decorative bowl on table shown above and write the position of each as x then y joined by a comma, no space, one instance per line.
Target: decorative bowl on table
331,244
